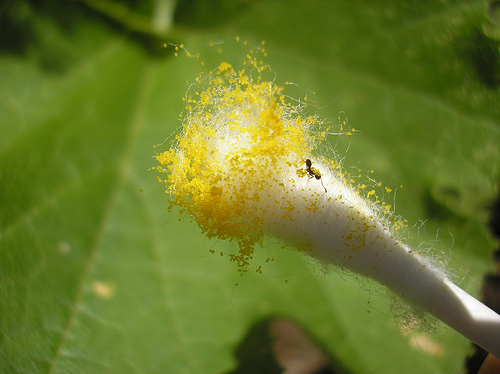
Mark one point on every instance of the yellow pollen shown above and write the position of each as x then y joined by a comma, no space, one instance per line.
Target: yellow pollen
238,138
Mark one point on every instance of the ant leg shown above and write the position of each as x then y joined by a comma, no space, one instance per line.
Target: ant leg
321,180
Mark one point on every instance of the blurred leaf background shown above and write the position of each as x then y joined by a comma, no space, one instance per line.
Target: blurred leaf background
96,275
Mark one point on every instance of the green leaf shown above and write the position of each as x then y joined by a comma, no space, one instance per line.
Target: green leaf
97,276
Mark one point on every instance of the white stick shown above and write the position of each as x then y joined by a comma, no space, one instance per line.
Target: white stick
243,168
346,232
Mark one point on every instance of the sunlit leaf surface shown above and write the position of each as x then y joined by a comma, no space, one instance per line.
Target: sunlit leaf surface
97,276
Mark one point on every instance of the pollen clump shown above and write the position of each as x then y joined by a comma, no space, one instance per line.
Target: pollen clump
244,167
238,138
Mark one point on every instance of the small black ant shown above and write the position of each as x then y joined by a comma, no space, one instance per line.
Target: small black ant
314,173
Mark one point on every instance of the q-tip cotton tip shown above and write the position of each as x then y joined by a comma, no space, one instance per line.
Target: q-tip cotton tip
244,167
